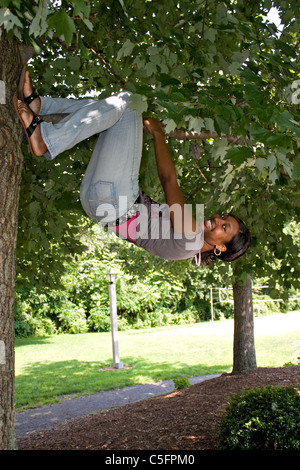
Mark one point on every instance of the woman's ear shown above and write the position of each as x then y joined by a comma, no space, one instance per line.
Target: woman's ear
221,247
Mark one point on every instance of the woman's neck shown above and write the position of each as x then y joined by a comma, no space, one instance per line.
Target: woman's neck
207,247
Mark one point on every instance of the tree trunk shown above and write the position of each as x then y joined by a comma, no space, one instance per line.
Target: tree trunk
11,162
244,360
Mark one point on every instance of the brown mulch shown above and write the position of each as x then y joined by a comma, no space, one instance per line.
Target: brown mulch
181,420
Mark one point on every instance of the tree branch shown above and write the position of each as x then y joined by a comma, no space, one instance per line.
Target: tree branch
179,135
26,52
202,174
204,135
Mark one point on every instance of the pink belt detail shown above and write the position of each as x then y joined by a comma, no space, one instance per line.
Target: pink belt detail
128,229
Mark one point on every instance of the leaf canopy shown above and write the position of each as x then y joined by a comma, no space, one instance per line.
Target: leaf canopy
218,67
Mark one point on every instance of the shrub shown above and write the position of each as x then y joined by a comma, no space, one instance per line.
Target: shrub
181,382
158,317
99,320
261,419
185,317
28,322
72,319
44,327
294,362
24,324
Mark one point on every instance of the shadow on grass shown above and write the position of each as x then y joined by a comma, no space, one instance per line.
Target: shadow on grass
32,340
42,383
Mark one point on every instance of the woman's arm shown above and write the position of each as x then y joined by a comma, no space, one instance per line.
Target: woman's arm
182,220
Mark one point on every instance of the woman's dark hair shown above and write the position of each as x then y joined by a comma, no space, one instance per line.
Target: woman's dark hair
237,246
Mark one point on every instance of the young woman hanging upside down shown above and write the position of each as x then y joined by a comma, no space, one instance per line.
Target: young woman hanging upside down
110,191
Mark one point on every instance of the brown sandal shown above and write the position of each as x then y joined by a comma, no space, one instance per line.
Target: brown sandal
28,99
36,120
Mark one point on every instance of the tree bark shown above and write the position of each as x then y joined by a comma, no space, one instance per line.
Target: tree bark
11,163
244,359
203,135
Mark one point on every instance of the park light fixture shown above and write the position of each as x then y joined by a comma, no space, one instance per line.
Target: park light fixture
111,275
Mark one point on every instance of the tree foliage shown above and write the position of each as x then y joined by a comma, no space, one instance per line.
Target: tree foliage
218,71
150,292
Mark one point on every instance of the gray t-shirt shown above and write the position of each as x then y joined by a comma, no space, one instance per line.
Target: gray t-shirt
156,235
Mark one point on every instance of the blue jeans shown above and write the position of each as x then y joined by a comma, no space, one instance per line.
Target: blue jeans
110,184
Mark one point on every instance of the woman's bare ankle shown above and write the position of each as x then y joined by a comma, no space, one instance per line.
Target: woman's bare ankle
35,105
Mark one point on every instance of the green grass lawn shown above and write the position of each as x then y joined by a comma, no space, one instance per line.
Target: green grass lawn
50,367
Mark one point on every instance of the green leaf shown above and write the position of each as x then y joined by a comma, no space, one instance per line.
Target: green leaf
238,155
39,24
279,139
196,124
252,93
126,49
221,126
168,80
173,112
178,96
63,25
88,23
285,121
234,68
296,169
288,50
260,163
170,125
259,133
123,7
220,148
250,75
8,19
139,103
210,34
81,7
150,69
209,124
34,208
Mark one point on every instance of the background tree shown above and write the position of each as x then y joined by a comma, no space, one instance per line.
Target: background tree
215,70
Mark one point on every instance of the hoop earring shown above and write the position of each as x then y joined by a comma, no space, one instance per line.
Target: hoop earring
217,252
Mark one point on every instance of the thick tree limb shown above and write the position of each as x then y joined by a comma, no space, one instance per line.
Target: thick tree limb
204,135
26,52
178,134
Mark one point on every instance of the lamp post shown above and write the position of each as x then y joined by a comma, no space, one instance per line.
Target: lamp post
111,274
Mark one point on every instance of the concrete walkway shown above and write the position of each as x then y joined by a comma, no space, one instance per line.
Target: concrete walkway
49,416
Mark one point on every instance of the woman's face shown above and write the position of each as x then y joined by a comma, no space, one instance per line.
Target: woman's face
219,230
